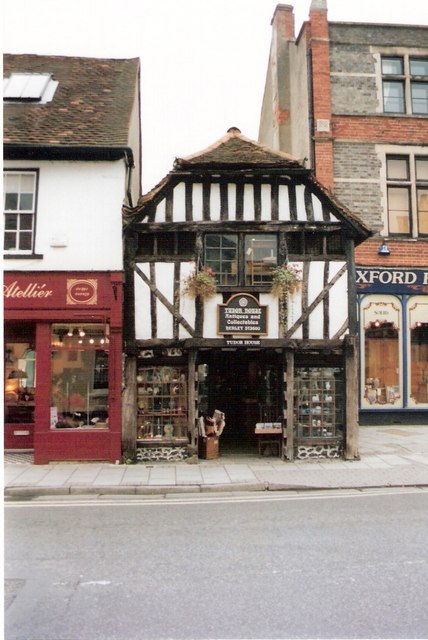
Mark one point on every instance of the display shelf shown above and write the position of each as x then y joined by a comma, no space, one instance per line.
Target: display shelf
318,404
162,404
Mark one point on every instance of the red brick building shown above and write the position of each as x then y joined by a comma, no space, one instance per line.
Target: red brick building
351,99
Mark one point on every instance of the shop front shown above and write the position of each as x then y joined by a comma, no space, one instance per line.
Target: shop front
240,303
393,308
62,345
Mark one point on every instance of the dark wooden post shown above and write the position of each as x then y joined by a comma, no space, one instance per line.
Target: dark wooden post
289,449
351,393
129,408
351,360
191,395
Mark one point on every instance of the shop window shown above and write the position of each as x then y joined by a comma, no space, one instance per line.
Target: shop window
381,364
20,376
318,403
19,210
405,84
162,403
407,192
418,351
80,372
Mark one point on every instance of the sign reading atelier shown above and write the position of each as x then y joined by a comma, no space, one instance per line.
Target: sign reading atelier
242,314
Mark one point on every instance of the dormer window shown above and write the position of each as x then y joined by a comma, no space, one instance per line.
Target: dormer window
29,87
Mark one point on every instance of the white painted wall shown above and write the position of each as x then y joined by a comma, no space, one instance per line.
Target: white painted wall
79,204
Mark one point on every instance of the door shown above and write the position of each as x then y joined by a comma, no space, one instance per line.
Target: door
240,383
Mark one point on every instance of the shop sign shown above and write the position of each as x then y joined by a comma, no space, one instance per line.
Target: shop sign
242,314
56,290
81,291
398,280
242,342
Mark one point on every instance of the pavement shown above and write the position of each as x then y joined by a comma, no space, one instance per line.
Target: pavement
390,456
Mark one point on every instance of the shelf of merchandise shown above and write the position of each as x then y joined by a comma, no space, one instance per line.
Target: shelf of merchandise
318,405
162,405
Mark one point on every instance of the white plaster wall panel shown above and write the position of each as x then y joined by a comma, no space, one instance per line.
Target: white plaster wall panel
142,304
248,202
294,312
81,203
215,201
179,202
273,308
231,195
300,202
338,299
210,316
266,203
164,281
160,215
187,303
283,202
317,207
197,202
315,287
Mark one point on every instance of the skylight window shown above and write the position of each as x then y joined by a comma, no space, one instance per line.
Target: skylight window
29,87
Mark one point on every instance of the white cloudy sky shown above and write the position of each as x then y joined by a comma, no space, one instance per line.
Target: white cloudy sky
203,62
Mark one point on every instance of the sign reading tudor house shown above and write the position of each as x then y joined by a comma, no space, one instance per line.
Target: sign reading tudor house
242,315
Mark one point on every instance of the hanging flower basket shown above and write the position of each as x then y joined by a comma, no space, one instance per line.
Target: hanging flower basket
201,282
286,279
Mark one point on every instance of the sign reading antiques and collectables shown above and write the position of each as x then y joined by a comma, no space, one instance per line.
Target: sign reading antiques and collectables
242,315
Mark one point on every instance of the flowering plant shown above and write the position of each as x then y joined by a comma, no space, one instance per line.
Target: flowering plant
201,282
286,278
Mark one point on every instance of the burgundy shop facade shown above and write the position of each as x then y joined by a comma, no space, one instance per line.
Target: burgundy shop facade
62,365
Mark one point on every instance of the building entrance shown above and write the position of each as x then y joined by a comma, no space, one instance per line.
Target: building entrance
245,386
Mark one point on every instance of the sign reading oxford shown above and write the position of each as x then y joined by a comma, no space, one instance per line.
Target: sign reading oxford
242,315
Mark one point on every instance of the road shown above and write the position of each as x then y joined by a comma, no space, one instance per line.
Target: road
316,565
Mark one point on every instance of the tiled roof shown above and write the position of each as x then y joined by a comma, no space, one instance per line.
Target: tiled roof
91,107
237,150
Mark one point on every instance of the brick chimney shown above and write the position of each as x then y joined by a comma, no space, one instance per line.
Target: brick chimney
318,44
276,110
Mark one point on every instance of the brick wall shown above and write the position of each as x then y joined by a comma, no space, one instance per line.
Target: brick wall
404,253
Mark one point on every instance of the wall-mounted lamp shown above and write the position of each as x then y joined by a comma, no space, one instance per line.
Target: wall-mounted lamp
383,249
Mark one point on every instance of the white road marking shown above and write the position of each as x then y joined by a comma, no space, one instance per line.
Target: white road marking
172,500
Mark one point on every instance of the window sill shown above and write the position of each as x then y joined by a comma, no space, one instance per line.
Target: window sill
23,256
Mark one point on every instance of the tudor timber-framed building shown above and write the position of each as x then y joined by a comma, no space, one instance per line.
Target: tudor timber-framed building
239,209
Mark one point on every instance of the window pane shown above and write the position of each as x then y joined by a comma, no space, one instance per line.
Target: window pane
419,97
397,168
398,210
26,202
11,182
392,66
381,350
26,221
10,221
221,254
422,169
25,241
28,182
419,66
20,360
423,210
393,97
261,254
9,240
418,357
11,202
79,391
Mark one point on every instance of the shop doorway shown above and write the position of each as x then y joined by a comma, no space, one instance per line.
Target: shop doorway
242,385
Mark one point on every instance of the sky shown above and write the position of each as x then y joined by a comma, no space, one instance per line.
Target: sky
203,62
